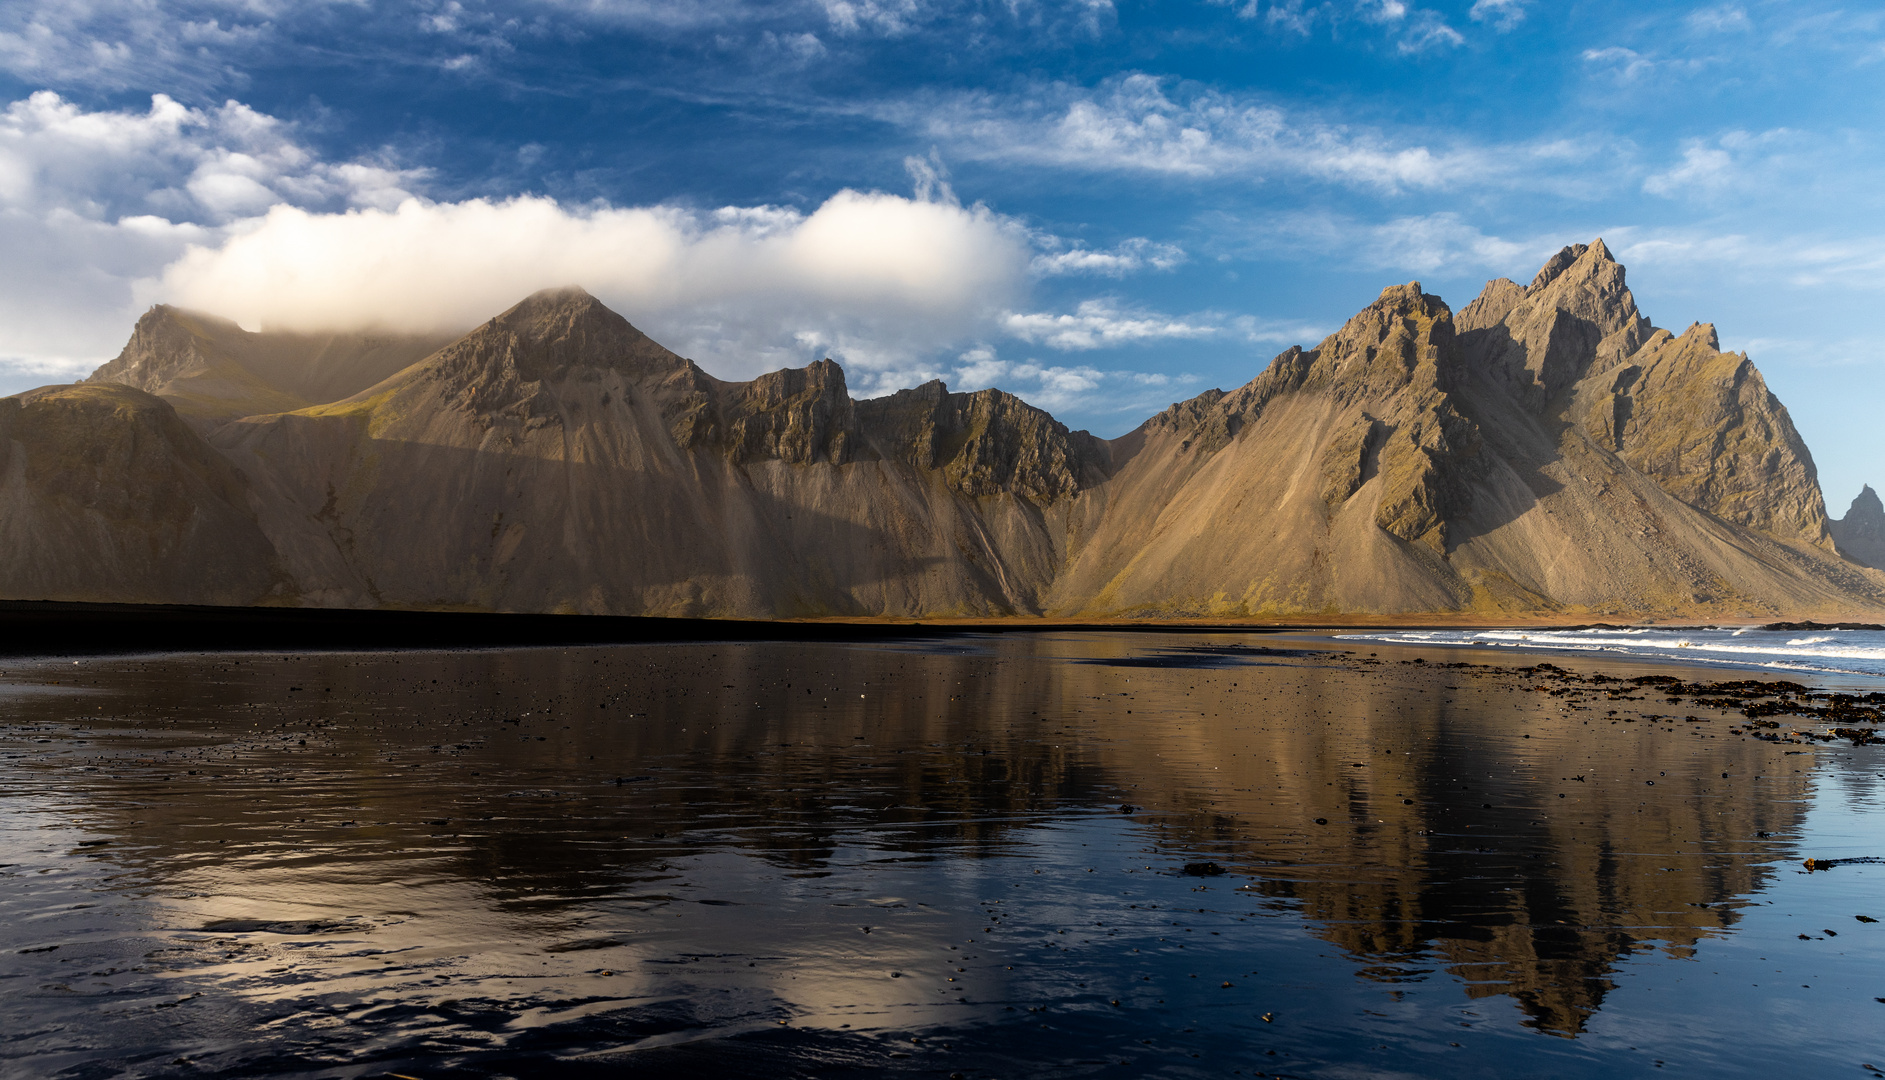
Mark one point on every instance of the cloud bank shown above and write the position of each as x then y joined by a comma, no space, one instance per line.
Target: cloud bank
860,263
223,210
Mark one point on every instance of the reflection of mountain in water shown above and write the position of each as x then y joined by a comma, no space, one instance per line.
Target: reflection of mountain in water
1594,844
1421,818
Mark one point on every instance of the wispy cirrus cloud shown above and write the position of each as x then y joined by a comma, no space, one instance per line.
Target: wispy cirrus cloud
1054,386
1108,323
1855,262
1761,161
1139,123
1444,242
1410,28
1501,15
1128,256
1723,18
1097,324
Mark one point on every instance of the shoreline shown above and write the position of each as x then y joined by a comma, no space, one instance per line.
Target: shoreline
53,630
48,628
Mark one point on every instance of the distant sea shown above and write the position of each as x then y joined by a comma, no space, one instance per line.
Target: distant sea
1853,652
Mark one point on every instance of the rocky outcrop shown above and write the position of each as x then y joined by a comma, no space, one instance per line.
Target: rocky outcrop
986,443
1577,318
1546,450
1860,535
1704,426
798,415
106,494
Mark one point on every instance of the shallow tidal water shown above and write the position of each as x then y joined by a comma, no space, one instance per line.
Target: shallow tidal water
1096,854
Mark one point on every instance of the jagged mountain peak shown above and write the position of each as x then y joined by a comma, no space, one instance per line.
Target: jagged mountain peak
1702,332
169,343
1860,535
1577,318
1577,262
1555,265
1867,505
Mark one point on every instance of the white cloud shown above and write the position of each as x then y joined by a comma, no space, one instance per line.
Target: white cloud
1053,386
1855,262
1381,11
1627,66
1293,16
224,210
1437,243
1426,30
1129,256
882,16
1444,242
90,202
1133,123
208,166
930,179
800,48
1278,332
1417,29
1727,18
1097,324
1733,159
875,276
183,45
1503,15
1704,167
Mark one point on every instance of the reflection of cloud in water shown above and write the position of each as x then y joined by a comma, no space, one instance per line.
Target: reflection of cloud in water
736,815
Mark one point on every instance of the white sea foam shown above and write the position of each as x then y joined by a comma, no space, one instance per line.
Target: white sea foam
1857,652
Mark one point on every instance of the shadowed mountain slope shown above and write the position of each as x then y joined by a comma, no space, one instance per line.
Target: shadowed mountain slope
212,370
106,494
1547,450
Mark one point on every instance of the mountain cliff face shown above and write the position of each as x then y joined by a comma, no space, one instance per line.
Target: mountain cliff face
1545,450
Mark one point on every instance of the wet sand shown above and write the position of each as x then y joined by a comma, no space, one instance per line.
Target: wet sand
1063,854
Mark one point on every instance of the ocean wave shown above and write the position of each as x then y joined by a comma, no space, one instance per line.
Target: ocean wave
1853,652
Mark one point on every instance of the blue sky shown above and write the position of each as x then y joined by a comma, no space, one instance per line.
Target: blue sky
1101,206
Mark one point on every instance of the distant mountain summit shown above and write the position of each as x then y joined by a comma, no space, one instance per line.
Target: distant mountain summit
212,370
1546,451
1861,533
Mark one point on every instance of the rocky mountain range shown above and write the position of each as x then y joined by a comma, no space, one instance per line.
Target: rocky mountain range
1545,450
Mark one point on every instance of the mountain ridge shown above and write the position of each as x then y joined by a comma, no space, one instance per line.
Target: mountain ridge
1546,450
